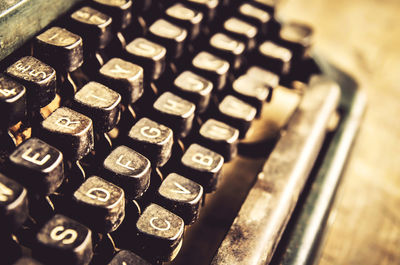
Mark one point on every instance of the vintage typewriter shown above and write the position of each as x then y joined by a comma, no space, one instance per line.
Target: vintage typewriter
166,132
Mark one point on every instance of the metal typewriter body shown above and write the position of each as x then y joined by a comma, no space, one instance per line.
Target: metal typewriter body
271,209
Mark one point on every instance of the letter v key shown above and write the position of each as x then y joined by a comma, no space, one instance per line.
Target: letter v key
181,196
181,190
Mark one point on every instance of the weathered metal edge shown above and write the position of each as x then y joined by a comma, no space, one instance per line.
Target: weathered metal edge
306,240
25,19
254,234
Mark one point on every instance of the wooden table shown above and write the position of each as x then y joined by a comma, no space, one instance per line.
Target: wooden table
363,38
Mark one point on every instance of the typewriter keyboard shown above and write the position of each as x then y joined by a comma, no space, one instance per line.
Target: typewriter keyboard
127,124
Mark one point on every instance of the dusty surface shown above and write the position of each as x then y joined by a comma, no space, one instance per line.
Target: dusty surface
363,37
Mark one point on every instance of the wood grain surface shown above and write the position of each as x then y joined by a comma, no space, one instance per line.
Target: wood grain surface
363,38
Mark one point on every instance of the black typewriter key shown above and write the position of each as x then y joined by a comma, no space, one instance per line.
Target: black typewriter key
219,137
194,88
151,139
242,31
185,17
69,131
160,232
126,257
67,46
207,7
296,37
181,196
237,113
12,101
27,261
119,10
255,16
93,26
38,166
99,103
212,68
99,204
175,112
38,78
13,204
129,170
228,48
64,241
264,76
169,35
151,56
125,77
202,166
252,91
274,57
